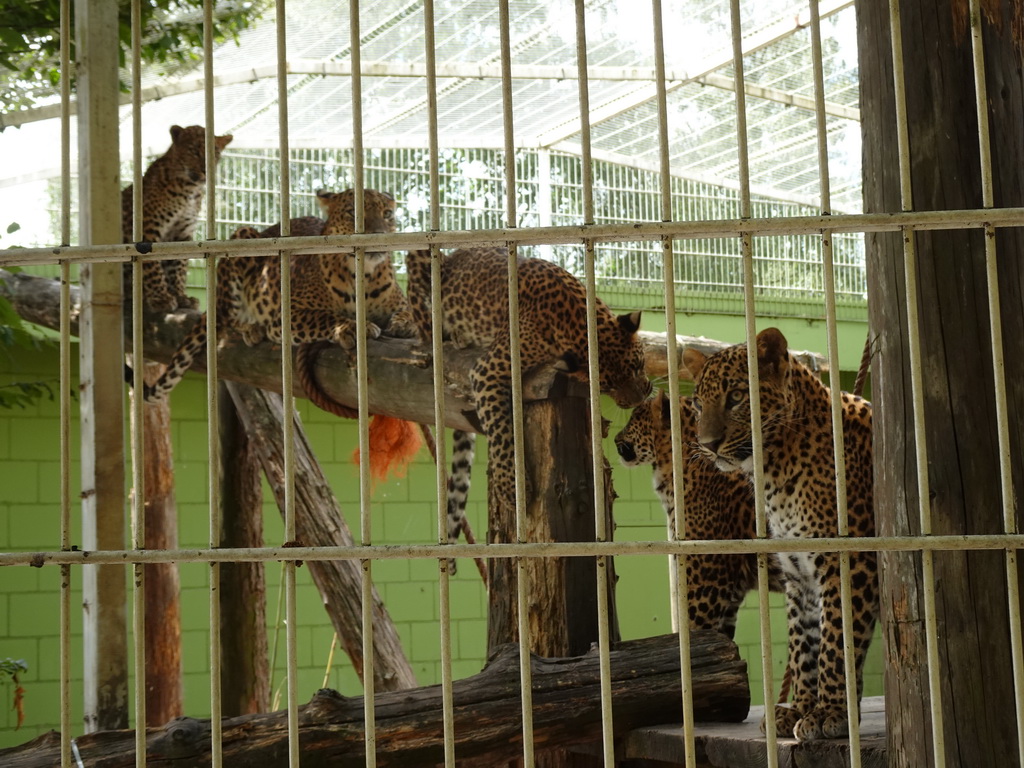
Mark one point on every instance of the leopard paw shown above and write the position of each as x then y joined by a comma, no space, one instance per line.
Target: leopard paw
826,722
786,718
402,326
160,302
188,302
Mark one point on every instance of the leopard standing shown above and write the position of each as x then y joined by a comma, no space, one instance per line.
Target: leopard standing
172,193
799,486
323,295
552,330
718,505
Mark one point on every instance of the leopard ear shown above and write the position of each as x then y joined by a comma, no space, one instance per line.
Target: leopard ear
630,322
176,131
694,361
222,141
772,352
324,198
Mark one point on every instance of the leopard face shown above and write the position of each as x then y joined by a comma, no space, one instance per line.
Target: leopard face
378,217
722,400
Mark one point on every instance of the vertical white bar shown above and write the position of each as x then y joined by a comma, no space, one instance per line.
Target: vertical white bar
65,383
678,578
287,398
594,377
999,368
917,389
138,505
363,390
212,433
522,580
747,245
437,353
828,271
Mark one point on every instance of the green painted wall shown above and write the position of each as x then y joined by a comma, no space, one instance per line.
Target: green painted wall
403,511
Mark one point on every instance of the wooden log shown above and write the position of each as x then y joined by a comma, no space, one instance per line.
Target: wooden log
401,382
567,710
318,521
245,666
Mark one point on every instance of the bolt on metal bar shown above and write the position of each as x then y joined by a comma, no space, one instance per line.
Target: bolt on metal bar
65,383
747,248
999,368
522,575
362,387
287,397
917,387
678,578
137,429
437,354
838,452
594,383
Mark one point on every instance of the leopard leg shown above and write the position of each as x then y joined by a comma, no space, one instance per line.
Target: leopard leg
829,719
155,293
176,280
803,620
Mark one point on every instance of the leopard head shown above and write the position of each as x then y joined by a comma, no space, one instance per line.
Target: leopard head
635,442
340,211
188,151
623,368
721,398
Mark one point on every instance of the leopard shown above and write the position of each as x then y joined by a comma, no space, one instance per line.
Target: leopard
718,505
552,331
172,193
323,295
800,496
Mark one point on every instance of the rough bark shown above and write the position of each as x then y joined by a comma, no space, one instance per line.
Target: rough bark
245,667
567,710
957,367
560,507
318,521
399,371
162,586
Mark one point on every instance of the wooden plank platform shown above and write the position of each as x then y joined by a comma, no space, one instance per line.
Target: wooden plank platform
739,745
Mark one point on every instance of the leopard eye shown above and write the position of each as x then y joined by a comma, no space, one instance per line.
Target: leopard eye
697,405
734,398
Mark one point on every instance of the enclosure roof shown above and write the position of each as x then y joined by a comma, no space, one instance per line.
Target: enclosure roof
622,92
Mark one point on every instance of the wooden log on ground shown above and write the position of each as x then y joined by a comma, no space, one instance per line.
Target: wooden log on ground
401,381
567,710
319,522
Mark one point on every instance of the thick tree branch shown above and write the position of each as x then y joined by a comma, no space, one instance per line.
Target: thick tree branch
401,382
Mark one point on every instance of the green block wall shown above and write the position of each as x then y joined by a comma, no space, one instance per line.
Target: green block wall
402,511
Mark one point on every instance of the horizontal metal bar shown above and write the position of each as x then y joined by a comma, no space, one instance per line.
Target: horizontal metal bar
575,234
535,549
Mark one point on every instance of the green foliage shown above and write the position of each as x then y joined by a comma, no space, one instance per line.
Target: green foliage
12,667
172,39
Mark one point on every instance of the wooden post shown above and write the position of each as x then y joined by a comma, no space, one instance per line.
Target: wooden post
102,388
162,585
977,692
245,666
